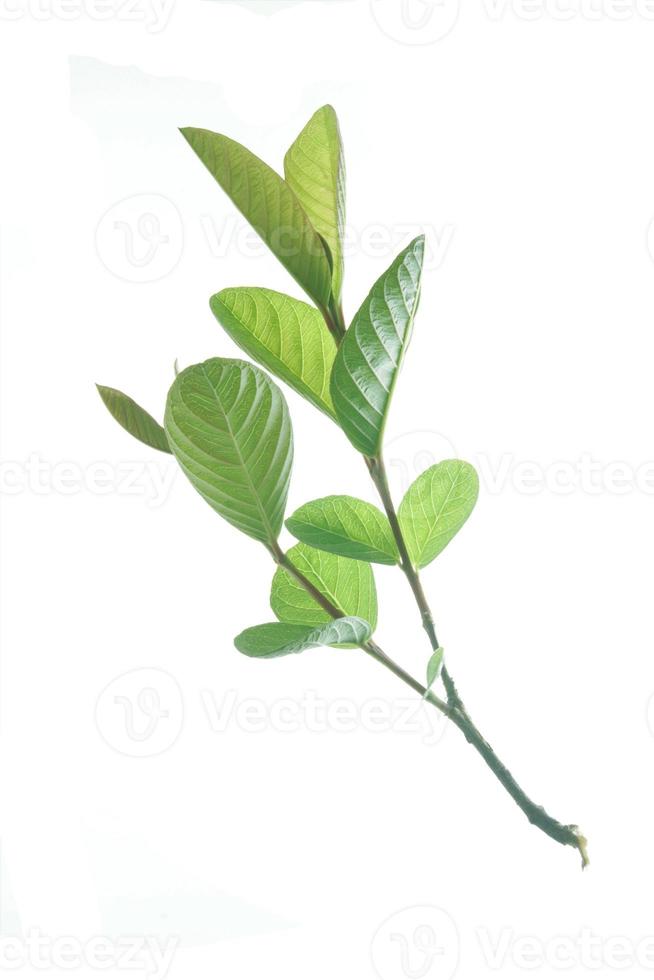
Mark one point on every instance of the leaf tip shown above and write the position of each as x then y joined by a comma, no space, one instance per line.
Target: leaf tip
189,133
418,244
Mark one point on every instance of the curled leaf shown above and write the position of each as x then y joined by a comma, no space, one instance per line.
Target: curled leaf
280,639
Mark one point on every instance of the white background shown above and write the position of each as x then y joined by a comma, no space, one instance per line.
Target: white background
520,138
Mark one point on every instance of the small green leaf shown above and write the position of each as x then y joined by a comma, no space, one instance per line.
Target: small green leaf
280,639
369,358
315,169
435,508
228,425
134,419
434,667
272,208
348,584
288,337
345,526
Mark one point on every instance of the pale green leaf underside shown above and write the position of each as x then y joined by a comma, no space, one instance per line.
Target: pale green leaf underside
435,507
345,526
134,419
434,667
285,335
229,428
370,356
281,639
272,208
349,585
315,169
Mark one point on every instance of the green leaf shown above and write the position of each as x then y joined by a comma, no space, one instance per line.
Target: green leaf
134,419
315,169
228,425
271,207
435,507
288,337
434,667
345,526
280,639
348,584
369,358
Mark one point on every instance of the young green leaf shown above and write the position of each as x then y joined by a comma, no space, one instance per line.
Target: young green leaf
315,169
345,526
288,337
134,419
272,208
228,425
435,507
280,639
369,358
434,667
349,585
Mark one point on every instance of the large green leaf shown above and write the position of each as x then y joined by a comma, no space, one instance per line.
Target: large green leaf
369,358
288,337
345,526
280,639
435,507
271,207
349,585
315,169
228,425
134,419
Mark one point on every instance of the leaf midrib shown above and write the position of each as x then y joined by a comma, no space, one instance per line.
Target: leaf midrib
272,536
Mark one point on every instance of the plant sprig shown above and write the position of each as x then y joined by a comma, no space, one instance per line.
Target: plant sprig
227,424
